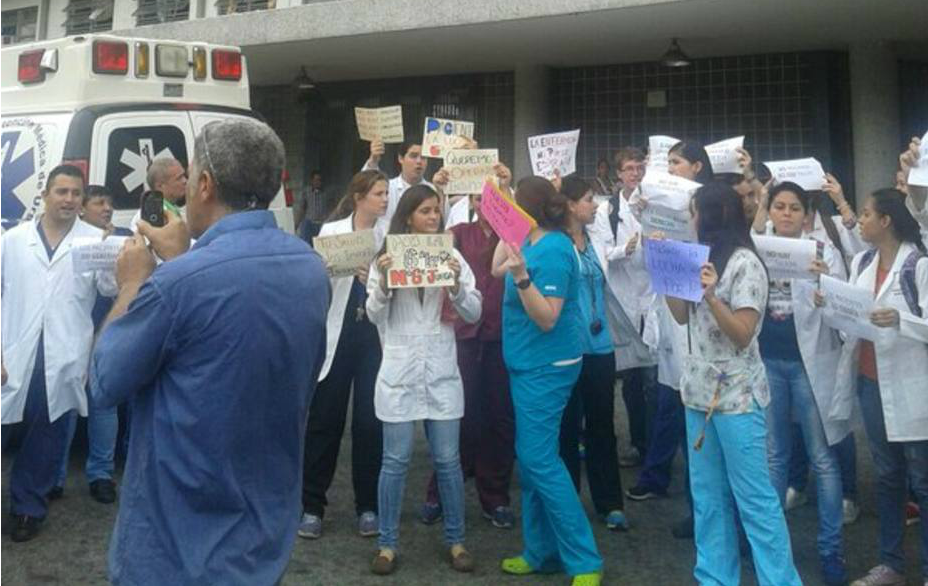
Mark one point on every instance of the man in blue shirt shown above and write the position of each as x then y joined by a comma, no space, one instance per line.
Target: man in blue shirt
219,366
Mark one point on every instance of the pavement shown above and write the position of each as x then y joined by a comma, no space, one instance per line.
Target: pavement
71,548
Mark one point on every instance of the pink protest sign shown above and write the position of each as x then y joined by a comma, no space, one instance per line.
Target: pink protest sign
510,222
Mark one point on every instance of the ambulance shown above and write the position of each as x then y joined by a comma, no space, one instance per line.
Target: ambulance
110,106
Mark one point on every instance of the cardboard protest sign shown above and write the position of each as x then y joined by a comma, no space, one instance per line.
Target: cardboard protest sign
724,156
420,260
554,151
918,175
344,254
806,173
440,136
848,307
384,123
788,258
468,169
668,205
674,267
93,254
510,222
658,148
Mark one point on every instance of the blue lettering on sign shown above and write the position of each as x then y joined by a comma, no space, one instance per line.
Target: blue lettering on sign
14,173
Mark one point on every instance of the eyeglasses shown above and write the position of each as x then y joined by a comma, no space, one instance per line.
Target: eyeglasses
209,159
632,169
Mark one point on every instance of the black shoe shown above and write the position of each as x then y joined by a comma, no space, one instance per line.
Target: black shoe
103,491
683,529
643,493
24,528
55,493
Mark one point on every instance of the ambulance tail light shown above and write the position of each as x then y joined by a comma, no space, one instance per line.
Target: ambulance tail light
82,164
142,60
288,192
227,65
30,67
110,57
199,63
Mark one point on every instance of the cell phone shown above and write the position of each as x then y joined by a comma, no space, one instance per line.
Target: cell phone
152,206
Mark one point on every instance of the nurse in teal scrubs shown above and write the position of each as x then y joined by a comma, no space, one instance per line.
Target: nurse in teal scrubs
542,347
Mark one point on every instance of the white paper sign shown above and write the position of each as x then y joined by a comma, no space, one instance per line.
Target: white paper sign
806,173
93,254
554,151
468,169
724,156
384,123
344,254
787,258
658,147
918,175
847,308
440,135
668,206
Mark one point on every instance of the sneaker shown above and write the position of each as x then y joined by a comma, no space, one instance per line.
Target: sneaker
881,576
310,526
368,525
643,493
25,528
385,562
834,572
683,529
591,579
912,514
55,493
501,517
850,511
430,513
616,521
103,491
795,499
461,560
629,458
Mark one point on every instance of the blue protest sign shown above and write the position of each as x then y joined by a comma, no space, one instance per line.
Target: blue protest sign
674,267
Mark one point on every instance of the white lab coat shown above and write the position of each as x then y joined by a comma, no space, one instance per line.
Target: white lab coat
341,289
668,340
419,376
38,295
901,353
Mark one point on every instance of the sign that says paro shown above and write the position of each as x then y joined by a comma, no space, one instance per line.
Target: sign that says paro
440,135
468,169
554,152
420,260
384,123
344,254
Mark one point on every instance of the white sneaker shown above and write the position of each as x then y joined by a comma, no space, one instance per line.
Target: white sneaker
795,499
881,576
310,526
850,510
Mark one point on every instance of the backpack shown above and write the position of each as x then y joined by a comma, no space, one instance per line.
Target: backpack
906,277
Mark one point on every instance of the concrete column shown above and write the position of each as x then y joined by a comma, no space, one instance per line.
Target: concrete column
874,115
534,111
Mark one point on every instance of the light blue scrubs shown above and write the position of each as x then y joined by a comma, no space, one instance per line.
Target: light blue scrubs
555,528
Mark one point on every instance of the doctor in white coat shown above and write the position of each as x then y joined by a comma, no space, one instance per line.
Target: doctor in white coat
47,338
889,374
412,172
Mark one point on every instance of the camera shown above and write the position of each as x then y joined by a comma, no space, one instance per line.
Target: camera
152,208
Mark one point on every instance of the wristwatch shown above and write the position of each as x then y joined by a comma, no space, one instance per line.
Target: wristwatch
524,283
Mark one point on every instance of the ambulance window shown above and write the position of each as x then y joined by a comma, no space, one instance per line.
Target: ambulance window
129,153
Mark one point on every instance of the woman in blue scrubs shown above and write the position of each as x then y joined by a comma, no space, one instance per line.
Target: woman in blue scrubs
543,349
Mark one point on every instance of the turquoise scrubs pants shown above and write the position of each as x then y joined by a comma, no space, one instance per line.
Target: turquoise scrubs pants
555,528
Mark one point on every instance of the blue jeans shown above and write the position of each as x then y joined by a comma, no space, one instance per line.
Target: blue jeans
398,439
791,399
102,429
668,434
729,471
894,462
846,450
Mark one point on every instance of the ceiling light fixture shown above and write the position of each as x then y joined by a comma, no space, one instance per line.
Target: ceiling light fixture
675,57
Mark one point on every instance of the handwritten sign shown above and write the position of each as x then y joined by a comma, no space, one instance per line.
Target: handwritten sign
440,135
510,222
674,267
344,254
918,175
384,123
806,173
848,307
788,258
468,169
550,152
93,254
668,205
724,155
658,148
420,260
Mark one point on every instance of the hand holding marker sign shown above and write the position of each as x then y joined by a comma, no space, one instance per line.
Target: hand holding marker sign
420,260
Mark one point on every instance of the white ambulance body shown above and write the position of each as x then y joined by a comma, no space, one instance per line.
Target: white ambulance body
111,105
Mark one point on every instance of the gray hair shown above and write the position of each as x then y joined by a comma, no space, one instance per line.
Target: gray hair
245,157
158,170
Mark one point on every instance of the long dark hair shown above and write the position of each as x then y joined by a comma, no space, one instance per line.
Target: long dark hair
360,184
537,196
817,200
411,199
720,223
891,202
694,152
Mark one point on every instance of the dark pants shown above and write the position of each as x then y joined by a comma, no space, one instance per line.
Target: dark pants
636,384
591,408
35,466
487,443
356,362
846,451
668,434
